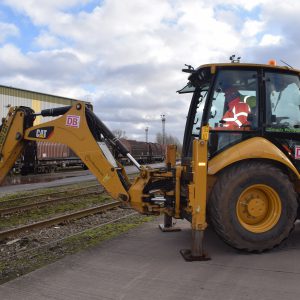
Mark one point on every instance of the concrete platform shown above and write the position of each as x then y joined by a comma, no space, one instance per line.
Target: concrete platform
43,181
11,189
145,264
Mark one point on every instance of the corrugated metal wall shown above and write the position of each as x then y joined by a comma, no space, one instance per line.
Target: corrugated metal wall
37,101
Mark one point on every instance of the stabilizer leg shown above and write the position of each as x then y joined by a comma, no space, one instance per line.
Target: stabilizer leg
197,199
167,226
196,253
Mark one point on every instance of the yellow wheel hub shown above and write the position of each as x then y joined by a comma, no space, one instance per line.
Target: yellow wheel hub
258,208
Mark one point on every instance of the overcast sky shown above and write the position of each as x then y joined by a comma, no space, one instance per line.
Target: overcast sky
126,56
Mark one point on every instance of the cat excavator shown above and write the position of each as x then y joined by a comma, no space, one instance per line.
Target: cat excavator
240,173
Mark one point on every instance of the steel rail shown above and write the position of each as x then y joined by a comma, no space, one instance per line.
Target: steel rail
2,203
60,219
8,210
24,252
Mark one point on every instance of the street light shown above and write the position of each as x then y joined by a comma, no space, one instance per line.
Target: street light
146,130
163,120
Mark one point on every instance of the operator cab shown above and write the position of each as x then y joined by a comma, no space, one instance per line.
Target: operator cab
241,101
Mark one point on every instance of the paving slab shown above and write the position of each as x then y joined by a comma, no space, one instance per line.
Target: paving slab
145,264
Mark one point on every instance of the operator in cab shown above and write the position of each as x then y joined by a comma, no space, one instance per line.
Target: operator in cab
239,107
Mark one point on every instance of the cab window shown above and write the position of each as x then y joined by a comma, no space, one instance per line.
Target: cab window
234,105
199,112
282,102
234,108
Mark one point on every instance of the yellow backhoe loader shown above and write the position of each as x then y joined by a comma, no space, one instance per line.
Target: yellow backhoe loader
240,160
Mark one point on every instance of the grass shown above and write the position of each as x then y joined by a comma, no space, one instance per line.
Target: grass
37,214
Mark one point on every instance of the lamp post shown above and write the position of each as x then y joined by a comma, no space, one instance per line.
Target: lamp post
146,130
163,120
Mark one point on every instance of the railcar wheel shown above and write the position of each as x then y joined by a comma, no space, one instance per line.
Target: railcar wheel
253,206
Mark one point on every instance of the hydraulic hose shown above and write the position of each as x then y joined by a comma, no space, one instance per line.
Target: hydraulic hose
54,112
98,128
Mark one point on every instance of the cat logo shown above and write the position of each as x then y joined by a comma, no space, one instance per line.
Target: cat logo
42,133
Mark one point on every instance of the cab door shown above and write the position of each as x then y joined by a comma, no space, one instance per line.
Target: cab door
282,112
233,119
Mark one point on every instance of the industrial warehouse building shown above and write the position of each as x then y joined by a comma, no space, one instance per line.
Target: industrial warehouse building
10,96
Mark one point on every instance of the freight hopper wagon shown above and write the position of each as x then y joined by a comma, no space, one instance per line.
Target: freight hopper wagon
45,157
143,152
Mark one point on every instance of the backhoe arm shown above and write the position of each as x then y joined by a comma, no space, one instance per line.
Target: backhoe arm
78,128
154,191
84,133
12,140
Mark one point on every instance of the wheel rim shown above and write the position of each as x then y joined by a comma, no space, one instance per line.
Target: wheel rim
258,208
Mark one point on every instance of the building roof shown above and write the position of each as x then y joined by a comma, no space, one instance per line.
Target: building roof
28,94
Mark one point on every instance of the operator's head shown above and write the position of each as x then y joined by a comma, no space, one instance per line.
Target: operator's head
231,93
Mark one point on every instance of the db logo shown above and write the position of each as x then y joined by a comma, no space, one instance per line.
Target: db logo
73,121
297,152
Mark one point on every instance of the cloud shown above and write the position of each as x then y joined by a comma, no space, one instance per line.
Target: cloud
127,55
240,4
7,30
252,27
43,14
13,60
45,40
270,40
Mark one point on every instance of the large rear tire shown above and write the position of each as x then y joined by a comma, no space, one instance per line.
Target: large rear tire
253,206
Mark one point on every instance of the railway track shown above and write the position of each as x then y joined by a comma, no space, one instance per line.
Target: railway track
29,206
13,201
78,208
60,219
27,252
76,204
57,241
28,246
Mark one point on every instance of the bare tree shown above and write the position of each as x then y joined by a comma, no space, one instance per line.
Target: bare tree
170,140
159,138
119,133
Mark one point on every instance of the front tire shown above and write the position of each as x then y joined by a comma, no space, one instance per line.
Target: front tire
253,206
